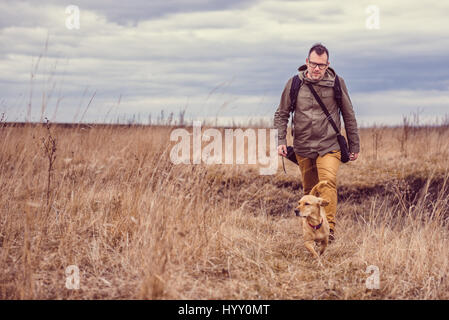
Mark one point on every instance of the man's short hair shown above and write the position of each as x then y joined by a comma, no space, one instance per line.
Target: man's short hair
319,49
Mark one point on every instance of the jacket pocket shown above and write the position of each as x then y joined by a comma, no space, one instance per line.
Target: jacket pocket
304,92
327,92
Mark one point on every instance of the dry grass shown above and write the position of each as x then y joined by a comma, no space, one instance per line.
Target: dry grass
138,226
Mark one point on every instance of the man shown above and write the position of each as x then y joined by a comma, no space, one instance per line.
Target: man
314,140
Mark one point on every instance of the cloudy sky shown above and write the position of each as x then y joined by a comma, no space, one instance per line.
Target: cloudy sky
217,59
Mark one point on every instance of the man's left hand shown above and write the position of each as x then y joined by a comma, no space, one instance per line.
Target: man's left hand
353,156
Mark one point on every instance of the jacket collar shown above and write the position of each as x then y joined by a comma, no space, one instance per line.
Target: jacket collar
327,81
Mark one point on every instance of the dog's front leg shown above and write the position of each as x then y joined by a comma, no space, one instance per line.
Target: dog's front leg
309,245
323,245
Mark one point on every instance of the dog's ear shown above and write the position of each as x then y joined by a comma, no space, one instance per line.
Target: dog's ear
323,202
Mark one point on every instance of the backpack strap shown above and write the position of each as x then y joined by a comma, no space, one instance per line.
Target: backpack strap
338,94
294,89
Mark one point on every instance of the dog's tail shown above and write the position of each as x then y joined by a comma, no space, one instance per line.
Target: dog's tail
318,188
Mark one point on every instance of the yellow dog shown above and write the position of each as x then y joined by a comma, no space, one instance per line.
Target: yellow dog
315,226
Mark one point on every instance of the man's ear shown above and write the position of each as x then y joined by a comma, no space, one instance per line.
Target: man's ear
323,202
307,60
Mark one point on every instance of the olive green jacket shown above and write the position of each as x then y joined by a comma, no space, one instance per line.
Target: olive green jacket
313,133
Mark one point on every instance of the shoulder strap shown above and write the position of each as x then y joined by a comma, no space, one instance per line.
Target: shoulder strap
320,102
294,89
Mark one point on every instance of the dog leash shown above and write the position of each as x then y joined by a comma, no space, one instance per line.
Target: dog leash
283,165
290,156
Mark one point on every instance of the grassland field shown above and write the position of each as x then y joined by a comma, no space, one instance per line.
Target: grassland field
108,200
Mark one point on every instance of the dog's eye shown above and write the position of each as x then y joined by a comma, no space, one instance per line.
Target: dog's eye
306,203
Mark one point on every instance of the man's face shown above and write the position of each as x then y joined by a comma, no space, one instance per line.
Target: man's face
317,65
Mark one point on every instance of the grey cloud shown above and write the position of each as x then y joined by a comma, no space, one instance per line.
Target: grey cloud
388,71
148,69
131,12
127,13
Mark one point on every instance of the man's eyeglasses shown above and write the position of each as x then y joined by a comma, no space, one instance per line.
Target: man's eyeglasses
313,65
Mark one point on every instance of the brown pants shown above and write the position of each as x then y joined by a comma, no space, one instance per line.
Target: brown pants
320,169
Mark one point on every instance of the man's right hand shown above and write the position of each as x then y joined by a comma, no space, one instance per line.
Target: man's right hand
282,150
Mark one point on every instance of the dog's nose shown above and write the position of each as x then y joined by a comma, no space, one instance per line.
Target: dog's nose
297,212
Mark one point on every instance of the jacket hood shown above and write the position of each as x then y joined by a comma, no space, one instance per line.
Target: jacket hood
327,81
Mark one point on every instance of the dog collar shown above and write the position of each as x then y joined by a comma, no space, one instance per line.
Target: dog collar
317,226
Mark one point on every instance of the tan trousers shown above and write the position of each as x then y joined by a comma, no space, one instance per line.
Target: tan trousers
320,169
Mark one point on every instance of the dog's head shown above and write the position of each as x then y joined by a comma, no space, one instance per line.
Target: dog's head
309,205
